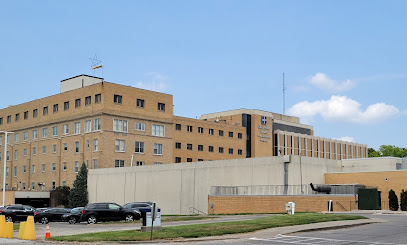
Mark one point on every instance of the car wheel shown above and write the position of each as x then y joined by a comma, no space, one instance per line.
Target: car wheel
9,219
92,219
72,220
129,217
44,220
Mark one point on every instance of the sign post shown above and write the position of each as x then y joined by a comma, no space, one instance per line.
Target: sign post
153,216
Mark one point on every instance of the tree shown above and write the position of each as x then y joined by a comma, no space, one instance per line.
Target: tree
403,200
78,197
387,151
372,153
61,194
393,201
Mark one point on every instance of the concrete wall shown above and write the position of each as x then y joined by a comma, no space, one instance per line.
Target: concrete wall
177,187
373,164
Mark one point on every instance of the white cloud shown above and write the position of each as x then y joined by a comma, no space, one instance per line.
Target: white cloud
153,81
322,81
341,108
346,138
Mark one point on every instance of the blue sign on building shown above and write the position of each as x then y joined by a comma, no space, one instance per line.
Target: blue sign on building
264,120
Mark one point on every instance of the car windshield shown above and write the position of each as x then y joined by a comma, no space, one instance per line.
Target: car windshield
75,210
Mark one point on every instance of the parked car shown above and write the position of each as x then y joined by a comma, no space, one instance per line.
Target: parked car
17,212
44,216
143,207
95,212
73,216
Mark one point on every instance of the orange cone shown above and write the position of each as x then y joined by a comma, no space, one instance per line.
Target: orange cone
47,232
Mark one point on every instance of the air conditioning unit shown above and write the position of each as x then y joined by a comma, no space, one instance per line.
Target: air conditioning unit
287,158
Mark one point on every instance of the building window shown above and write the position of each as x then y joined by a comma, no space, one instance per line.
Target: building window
77,128
177,126
117,99
177,145
119,125
200,147
25,136
220,132
87,144
158,130
8,139
65,129
66,105
211,131
88,126
239,135
43,167
98,98
200,130
15,155
239,152
16,137
88,100
54,148
230,150
32,185
65,146
210,148
161,107
139,163
1,120
53,185
189,146
44,149
55,108
140,103
76,146
7,172
25,152
77,103
118,163
200,160
55,131
120,146
97,124
44,133
17,117
23,186
45,110
140,126
189,159
158,149
189,128
230,134
64,167
33,169
177,160
76,167
25,115
35,134
1,140
95,163
139,147
157,163
8,119
34,151
220,149
35,113
95,144
54,167
64,183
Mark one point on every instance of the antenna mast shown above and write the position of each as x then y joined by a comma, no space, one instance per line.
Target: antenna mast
284,89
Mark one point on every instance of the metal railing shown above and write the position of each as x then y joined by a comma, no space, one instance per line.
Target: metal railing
194,211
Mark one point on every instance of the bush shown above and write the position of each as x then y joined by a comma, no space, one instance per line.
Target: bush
393,201
403,200
61,194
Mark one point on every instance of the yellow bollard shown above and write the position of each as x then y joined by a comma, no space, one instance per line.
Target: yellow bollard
29,231
9,233
21,230
2,225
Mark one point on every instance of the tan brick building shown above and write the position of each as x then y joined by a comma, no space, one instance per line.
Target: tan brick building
106,125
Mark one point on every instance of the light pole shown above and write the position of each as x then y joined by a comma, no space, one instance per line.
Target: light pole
5,162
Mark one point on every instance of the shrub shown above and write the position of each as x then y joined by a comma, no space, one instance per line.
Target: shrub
403,200
393,201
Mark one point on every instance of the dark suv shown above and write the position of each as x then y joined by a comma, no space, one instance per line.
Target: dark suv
17,212
50,214
108,211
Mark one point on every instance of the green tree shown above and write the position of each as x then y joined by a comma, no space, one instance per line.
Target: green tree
372,153
78,197
393,201
61,194
387,151
403,200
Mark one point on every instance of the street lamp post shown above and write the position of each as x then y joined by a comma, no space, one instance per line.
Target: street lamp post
5,162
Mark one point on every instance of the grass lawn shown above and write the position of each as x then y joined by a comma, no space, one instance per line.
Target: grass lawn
212,229
169,218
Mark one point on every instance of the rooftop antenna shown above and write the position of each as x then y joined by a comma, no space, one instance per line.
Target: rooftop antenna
96,64
284,89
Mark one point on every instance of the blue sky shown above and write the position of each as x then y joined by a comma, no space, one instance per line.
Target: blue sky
344,61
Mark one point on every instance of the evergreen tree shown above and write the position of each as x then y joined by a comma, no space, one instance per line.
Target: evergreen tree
393,201
61,194
78,197
403,200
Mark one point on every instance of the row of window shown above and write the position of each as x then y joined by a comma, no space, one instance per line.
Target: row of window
120,125
140,102
121,163
178,145
210,131
33,184
55,108
179,159
120,146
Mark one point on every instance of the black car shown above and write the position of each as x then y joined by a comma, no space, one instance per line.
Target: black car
50,214
73,216
17,212
95,212
143,207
